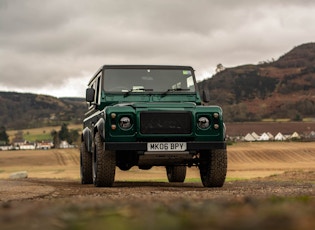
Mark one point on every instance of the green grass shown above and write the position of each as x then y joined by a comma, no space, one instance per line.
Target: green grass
309,119
306,119
37,137
281,199
276,120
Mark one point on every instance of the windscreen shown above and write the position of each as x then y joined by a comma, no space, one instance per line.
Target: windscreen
143,80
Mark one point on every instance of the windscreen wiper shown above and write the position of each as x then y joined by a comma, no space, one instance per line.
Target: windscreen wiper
174,90
127,92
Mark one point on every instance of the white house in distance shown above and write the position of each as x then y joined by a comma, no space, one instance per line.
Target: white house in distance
271,137
280,137
249,137
27,146
264,137
255,135
65,145
44,145
295,135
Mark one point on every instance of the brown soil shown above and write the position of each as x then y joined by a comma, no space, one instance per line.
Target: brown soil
53,198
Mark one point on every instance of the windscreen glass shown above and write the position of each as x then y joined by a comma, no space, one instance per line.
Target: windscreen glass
143,80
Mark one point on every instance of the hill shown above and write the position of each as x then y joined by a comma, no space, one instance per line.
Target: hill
284,88
25,110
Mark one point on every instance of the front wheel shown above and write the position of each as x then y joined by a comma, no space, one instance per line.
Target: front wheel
104,164
176,173
85,165
213,167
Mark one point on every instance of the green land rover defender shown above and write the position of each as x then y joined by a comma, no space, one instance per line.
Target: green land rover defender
149,115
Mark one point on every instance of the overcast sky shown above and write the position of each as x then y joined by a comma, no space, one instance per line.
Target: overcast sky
53,47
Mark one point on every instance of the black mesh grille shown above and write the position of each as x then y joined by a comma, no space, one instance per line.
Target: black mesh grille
165,122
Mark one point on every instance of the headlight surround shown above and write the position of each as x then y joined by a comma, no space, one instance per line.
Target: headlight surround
125,123
203,122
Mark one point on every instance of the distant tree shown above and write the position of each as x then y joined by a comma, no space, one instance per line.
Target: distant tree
297,117
219,68
4,138
64,132
73,136
55,136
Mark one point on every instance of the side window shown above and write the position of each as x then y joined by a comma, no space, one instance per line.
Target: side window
190,83
98,89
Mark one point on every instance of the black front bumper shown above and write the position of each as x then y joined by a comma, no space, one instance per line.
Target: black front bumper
142,146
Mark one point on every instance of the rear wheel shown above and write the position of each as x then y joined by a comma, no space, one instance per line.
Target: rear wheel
104,164
85,165
213,167
176,173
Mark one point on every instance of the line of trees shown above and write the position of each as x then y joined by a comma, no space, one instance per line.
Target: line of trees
4,137
71,136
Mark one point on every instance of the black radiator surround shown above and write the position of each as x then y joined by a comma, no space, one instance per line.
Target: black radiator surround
161,122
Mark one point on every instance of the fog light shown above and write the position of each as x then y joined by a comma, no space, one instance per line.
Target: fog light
216,115
113,115
216,126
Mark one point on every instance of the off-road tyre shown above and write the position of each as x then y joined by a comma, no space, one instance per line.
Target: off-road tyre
213,167
104,164
176,173
85,165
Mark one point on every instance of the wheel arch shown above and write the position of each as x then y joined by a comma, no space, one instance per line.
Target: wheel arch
87,138
100,128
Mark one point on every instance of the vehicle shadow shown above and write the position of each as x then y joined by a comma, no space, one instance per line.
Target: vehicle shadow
157,184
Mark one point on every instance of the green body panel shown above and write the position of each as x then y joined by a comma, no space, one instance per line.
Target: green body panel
133,110
130,103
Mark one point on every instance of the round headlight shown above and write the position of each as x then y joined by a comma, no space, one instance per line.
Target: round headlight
125,123
203,122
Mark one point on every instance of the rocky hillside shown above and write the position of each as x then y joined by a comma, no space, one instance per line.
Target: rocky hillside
25,110
284,88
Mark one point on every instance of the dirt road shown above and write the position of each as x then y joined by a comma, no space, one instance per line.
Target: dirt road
268,185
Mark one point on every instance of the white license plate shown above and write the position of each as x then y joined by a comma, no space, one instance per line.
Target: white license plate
166,146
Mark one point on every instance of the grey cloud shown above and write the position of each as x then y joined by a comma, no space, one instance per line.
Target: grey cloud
48,42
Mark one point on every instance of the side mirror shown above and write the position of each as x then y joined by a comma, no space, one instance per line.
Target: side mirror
89,95
205,96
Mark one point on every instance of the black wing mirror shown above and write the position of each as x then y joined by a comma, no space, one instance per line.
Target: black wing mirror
205,96
89,95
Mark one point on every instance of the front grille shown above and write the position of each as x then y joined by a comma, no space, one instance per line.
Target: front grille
173,122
